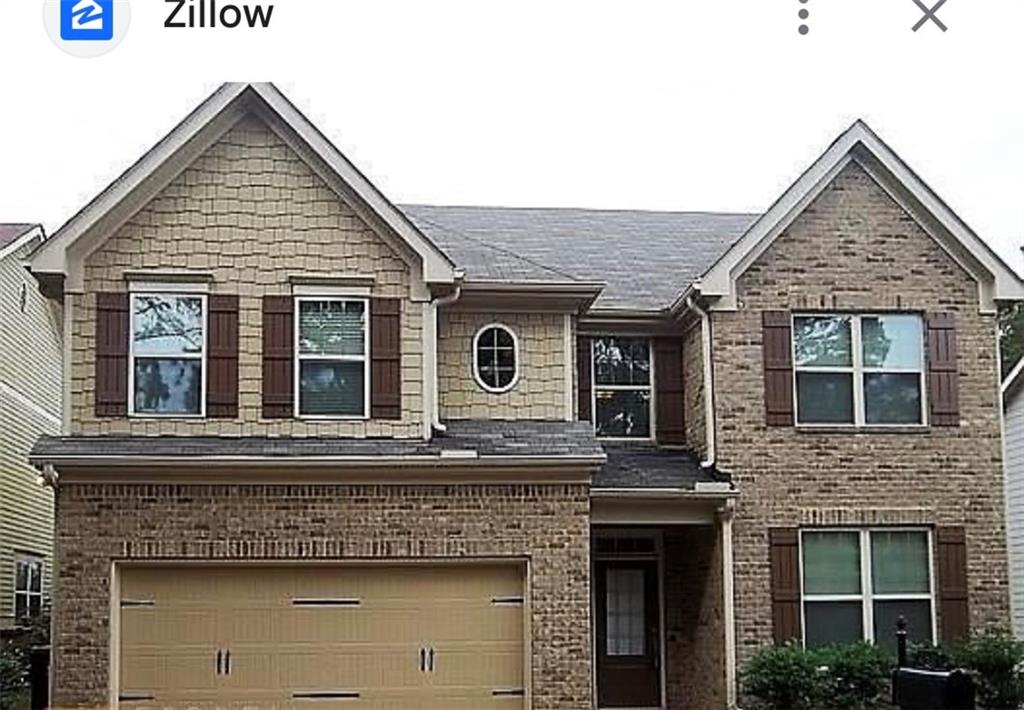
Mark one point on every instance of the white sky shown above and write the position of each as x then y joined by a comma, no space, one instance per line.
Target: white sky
683,105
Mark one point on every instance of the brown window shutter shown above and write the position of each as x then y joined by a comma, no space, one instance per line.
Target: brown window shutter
943,375
112,354
222,357
278,357
385,358
668,391
778,367
584,371
951,545
785,570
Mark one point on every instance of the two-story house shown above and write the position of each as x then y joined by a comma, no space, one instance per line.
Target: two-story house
30,391
326,450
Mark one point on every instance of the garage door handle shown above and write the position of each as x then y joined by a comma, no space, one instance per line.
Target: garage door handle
423,659
431,660
219,654
227,662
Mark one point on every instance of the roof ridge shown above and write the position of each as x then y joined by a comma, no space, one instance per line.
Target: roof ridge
605,210
501,250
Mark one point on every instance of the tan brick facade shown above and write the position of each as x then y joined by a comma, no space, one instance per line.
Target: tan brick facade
693,389
540,391
855,249
694,623
250,212
549,525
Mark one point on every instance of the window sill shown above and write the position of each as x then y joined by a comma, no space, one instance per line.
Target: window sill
866,429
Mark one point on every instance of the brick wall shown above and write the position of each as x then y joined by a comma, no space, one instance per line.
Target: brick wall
549,524
693,389
854,248
250,212
540,391
694,628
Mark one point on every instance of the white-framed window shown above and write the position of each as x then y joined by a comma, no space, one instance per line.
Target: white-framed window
856,584
496,358
28,587
622,387
167,355
853,369
332,353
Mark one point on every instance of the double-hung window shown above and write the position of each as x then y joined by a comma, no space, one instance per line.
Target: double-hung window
622,387
332,376
28,587
859,369
858,583
167,351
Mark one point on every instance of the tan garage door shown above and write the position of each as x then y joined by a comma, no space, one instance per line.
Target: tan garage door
383,637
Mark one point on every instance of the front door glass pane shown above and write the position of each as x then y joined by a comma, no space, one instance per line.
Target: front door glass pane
831,563
625,612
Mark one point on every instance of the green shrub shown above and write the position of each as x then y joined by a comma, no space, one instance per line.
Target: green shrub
783,678
995,660
858,677
13,673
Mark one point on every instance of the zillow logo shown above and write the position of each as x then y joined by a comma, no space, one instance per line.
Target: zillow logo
86,20
86,28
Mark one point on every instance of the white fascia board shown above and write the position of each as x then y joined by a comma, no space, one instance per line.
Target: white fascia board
948,229
121,199
32,233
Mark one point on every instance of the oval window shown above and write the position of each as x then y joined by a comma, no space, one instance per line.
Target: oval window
496,358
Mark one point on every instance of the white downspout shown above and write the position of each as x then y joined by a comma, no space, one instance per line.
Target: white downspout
432,376
725,516
709,382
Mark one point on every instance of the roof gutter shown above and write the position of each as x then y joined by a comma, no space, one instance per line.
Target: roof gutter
467,459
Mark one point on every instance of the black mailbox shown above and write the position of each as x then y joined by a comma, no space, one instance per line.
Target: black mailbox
932,690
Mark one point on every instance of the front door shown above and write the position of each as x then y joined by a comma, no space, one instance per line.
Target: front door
628,634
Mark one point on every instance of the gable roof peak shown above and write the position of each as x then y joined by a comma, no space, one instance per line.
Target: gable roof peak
861,145
61,256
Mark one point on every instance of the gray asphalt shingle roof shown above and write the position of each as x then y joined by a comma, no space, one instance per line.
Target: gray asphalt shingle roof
650,467
669,249
9,232
487,438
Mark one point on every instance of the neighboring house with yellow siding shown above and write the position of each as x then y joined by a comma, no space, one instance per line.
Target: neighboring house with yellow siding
30,405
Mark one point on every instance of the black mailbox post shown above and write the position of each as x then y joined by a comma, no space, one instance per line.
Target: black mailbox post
914,689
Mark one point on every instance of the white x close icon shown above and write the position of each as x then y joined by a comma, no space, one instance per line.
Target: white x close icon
929,14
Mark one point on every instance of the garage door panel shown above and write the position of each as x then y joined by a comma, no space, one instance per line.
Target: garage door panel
299,635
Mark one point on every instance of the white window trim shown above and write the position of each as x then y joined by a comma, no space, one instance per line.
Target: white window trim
857,371
515,355
30,559
867,597
168,292
365,358
652,427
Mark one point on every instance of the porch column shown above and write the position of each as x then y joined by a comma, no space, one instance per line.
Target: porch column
725,515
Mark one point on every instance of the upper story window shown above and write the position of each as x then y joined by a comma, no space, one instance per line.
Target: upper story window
857,583
859,369
332,377
28,587
496,358
622,387
167,354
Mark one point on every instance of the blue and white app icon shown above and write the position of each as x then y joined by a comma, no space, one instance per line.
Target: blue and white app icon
90,20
